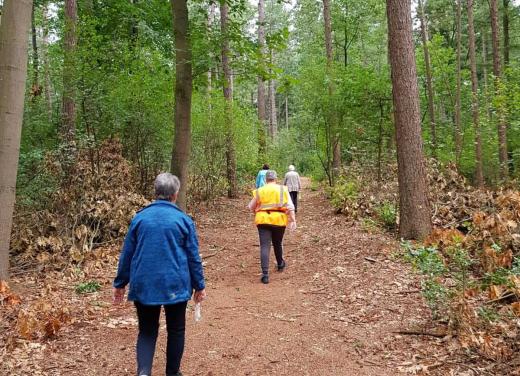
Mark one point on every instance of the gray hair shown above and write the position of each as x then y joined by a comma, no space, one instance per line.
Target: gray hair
270,175
166,185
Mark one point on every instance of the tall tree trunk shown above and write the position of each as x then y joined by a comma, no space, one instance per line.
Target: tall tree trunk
262,117
458,126
46,67
183,88
502,127
273,120
68,125
231,167
414,208
16,18
286,110
485,76
479,176
334,134
211,18
36,88
429,84
505,26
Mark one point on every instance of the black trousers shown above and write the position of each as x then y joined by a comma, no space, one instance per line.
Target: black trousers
294,198
270,234
148,317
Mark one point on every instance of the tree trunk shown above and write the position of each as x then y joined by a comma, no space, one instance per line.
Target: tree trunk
68,126
36,88
262,118
505,25
334,134
485,77
14,28
429,84
287,111
458,126
273,120
211,18
479,176
46,68
414,208
502,127
231,168
183,88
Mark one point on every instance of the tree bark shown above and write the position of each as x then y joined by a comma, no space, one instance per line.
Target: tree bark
414,208
36,88
14,28
273,120
334,134
46,68
287,111
497,72
183,89
262,118
505,26
485,76
231,173
68,124
458,126
429,84
479,176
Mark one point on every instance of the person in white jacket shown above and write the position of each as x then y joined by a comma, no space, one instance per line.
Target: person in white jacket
293,183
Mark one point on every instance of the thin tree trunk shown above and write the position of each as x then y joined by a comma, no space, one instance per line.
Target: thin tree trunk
380,140
211,18
414,208
68,126
46,68
231,173
505,25
183,88
485,76
36,88
479,176
273,121
14,28
458,126
286,111
334,134
429,84
502,127
262,118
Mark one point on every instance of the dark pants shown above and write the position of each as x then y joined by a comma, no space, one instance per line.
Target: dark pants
270,234
148,316
294,198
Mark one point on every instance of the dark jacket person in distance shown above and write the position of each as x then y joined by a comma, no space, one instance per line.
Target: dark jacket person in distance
160,262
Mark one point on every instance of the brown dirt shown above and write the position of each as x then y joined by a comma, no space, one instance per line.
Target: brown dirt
332,312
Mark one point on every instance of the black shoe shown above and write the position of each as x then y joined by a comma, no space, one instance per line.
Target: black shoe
282,266
265,279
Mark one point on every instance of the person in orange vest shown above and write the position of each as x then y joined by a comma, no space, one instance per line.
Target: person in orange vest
274,211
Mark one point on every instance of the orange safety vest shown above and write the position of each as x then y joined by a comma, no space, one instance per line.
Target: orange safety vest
272,210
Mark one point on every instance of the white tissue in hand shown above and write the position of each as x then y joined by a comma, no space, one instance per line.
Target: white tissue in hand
198,314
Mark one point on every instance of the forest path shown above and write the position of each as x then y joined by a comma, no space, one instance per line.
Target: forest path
332,312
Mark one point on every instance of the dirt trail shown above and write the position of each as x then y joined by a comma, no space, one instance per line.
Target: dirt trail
332,312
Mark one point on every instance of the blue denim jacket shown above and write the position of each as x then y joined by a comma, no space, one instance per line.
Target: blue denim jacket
160,257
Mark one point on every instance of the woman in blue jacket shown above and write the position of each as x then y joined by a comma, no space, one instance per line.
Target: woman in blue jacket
161,263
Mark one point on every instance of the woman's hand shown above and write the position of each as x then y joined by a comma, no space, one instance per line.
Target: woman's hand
199,296
119,295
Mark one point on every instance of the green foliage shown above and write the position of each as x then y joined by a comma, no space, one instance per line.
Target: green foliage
387,213
88,287
488,314
345,191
